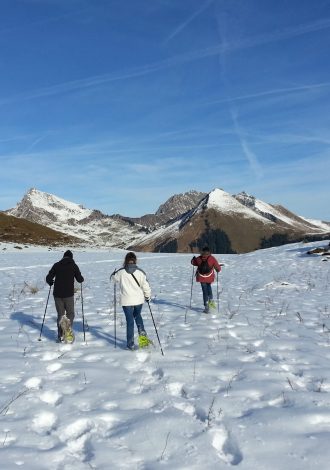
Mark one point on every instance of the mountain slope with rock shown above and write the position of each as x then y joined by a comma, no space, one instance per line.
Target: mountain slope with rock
230,224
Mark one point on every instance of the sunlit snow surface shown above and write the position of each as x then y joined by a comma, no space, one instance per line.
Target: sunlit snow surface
248,387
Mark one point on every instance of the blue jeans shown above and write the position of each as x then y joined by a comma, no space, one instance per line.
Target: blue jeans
207,292
133,312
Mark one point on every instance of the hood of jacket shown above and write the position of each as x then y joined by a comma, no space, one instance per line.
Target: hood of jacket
130,268
66,260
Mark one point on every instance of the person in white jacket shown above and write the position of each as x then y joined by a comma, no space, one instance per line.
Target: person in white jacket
134,290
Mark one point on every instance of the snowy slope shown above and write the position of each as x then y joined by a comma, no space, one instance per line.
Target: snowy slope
248,387
225,203
319,223
279,213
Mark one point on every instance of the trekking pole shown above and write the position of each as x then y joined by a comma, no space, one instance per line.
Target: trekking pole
148,302
43,321
82,311
114,306
115,311
192,283
218,294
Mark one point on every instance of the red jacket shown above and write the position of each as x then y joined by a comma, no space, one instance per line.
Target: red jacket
212,262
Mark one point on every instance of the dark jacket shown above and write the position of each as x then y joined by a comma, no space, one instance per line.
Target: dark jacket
65,272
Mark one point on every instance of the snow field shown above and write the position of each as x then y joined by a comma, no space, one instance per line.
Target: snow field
247,387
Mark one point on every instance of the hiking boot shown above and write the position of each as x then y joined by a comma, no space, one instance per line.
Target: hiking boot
206,309
133,347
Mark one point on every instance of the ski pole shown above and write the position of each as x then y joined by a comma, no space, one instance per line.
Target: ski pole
43,321
148,302
82,311
192,282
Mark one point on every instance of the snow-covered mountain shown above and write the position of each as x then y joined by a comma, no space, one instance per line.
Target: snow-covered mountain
91,226
227,223
231,224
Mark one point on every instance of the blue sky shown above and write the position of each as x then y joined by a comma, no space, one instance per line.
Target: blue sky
119,104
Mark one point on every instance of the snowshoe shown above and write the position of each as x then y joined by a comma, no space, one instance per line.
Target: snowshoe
212,304
65,324
69,336
144,341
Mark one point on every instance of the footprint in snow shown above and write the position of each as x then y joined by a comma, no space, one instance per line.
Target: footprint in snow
176,389
49,356
53,367
33,382
187,408
110,405
76,429
93,357
44,422
76,437
226,446
51,397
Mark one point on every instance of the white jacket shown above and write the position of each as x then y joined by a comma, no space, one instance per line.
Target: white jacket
130,292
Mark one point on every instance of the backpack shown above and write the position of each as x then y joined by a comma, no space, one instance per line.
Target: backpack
204,267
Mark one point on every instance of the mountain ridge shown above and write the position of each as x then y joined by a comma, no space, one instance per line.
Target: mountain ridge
229,223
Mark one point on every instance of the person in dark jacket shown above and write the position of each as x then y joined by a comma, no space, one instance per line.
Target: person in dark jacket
65,272
206,264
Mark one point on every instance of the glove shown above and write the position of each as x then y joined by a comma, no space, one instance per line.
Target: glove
147,299
50,283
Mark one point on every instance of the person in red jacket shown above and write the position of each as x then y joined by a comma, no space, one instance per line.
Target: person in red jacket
206,264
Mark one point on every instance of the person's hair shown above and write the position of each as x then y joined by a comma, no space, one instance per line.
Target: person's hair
130,257
205,250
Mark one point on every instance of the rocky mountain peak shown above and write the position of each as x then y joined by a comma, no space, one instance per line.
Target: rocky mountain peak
245,199
178,204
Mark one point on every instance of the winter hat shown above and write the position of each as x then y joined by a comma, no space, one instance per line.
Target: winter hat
68,254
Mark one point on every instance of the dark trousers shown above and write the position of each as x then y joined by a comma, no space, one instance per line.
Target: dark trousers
64,306
207,292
